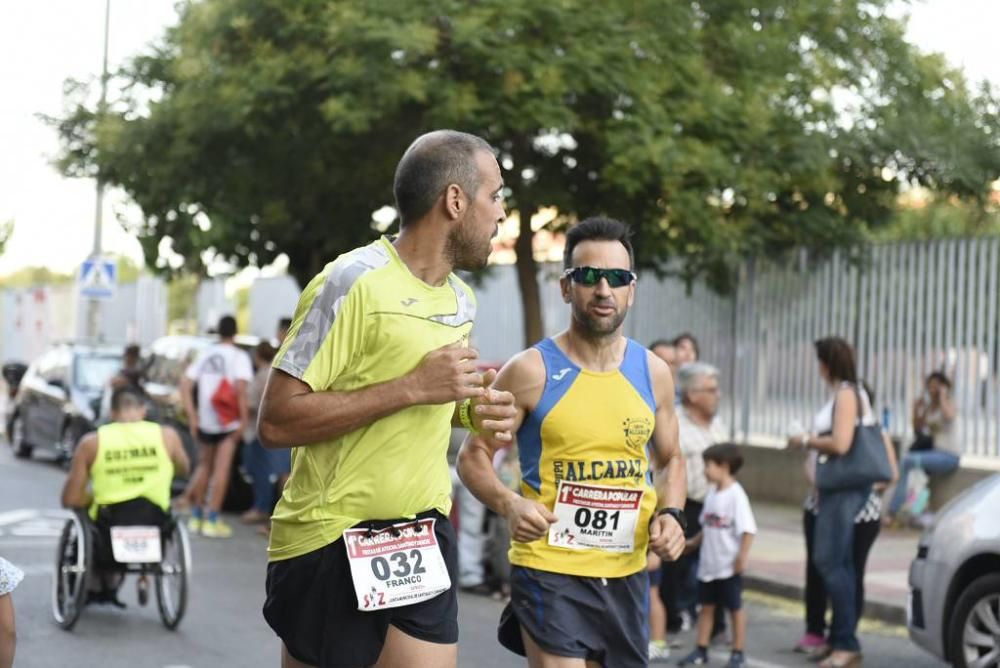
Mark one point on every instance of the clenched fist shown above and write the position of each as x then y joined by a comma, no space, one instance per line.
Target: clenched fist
494,410
447,374
528,520
666,537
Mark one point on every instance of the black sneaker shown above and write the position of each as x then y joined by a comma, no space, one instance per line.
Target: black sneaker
737,660
698,657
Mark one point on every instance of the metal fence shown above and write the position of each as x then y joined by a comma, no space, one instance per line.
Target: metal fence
910,309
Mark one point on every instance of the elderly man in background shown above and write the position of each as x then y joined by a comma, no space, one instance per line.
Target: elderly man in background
699,427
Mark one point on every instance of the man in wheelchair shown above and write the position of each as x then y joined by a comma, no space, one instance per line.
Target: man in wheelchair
128,464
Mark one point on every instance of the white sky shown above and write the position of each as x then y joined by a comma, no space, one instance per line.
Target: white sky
42,42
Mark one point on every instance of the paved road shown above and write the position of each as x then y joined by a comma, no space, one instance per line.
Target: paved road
224,627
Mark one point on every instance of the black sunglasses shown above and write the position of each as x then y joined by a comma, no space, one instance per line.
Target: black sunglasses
591,276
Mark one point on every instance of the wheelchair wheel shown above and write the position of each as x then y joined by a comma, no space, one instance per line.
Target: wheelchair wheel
73,563
172,576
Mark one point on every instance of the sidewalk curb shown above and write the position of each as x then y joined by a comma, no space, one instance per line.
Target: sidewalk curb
883,611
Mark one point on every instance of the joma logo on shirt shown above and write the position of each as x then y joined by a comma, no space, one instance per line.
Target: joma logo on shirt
604,469
637,431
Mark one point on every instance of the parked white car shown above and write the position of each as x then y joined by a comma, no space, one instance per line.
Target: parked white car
954,600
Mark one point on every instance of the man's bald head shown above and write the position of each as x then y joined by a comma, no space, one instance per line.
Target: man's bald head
432,163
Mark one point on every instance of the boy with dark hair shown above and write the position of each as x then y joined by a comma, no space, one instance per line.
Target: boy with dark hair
728,527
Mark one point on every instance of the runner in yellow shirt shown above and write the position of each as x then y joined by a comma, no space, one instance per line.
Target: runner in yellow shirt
366,387
595,421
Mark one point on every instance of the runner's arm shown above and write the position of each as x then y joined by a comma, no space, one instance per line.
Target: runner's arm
666,537
75,494
524,377
175,450
671,471
292,414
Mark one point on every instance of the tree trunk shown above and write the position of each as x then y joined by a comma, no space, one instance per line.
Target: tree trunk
527,280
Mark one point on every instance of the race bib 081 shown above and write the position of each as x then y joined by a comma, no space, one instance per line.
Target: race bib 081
397,565
593,516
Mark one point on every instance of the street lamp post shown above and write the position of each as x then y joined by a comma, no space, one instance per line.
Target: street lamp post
93,305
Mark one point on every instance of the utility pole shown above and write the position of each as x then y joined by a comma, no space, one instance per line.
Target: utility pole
93,305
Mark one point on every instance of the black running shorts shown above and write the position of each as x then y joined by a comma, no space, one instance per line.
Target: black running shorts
597,619
312,606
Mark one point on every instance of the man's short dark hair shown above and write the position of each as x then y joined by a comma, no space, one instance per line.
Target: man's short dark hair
284,324
659,342
133,350
433,162
127,396
227,327
725,453
598,228
687,336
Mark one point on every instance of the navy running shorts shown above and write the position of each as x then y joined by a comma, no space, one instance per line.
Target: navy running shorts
596,619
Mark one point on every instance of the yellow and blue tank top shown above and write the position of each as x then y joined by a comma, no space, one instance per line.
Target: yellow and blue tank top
595,428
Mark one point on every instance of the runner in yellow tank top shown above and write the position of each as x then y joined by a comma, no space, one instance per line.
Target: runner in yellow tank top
602,477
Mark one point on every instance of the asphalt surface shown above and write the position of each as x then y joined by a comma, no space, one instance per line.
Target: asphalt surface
224,627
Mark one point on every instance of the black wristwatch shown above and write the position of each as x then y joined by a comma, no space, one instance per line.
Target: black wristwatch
677,514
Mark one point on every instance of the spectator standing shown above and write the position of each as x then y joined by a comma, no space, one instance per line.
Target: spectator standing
936,448
264,466
699,428
840,526
222,373
866,529
659,649
131,372
728,528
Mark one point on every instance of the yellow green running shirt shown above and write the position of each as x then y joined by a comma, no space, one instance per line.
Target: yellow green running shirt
132,463
366,320
590,429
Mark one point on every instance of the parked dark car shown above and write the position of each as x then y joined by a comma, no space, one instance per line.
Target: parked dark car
169,358
58,399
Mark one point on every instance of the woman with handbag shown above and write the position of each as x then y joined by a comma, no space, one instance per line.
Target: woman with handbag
850,454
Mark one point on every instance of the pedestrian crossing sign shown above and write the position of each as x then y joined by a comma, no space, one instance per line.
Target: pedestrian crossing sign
97,279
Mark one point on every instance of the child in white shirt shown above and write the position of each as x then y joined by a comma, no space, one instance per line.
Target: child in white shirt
728,527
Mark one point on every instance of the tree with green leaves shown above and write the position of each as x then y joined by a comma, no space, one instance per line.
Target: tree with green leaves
719,129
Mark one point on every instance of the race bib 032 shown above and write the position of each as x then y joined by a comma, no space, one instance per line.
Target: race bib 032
398,565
